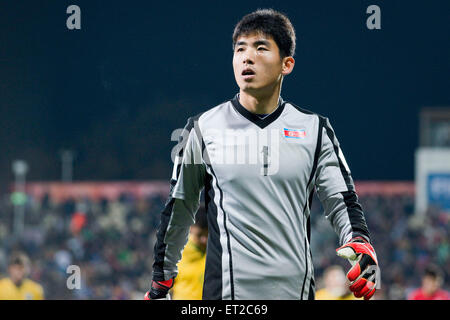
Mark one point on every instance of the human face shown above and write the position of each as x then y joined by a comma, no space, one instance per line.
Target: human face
199,236
336,282
17,273
257,64
430,285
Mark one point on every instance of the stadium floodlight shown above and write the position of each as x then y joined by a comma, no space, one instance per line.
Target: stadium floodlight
20,169
67,157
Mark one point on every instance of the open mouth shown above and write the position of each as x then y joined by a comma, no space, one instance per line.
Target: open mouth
248,72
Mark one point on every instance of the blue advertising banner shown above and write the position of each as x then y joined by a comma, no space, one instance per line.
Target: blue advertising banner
438,190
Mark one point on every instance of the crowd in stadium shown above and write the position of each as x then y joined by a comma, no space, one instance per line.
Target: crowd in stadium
405,245
112,243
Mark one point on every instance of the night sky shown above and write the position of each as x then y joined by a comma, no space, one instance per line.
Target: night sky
116,89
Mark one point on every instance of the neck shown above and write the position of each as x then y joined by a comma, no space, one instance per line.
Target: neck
260,103
429,293
18,283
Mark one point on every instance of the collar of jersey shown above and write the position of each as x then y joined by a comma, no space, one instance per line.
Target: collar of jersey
250,116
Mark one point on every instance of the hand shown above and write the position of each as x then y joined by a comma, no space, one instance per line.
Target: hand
364,272
159,290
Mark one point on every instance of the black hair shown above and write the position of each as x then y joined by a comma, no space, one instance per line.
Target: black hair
271,23
19,258
200,218
433,271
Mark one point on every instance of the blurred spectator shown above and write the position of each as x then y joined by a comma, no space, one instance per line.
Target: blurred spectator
404,249
110,240
335,285
77,222
191,269
17,286
431,286
114,245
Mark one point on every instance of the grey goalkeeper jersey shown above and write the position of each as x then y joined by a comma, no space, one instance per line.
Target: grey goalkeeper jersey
259,175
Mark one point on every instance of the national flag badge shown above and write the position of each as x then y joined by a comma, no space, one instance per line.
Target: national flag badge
294,133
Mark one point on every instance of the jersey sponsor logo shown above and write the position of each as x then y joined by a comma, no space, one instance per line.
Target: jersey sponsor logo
294,133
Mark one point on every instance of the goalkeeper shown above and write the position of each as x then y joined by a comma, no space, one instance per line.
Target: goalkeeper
259,159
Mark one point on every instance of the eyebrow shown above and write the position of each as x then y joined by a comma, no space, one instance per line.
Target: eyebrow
256,43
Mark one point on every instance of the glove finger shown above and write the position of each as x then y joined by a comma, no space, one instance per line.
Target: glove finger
368,287
358,285
371,284
358,294
370,294
364,261
361,292
354,272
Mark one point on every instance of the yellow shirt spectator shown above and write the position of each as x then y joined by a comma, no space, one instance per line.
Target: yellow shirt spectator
323,294
27,290
191,271
335,285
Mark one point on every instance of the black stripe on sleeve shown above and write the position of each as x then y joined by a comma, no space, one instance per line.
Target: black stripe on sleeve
356,215
160,245
354,208
347,177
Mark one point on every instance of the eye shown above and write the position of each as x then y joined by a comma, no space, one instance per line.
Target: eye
262,49
239,49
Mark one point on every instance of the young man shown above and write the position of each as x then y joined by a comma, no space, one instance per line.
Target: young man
259,159
334,285
17,286
432,281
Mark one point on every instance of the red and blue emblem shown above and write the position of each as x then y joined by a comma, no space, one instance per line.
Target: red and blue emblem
294,133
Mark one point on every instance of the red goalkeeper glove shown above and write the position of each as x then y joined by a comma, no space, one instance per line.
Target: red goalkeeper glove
364,272
159,290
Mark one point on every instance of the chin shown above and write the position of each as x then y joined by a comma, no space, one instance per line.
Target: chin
249,88
255,88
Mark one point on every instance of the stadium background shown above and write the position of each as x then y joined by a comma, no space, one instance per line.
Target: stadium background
114,91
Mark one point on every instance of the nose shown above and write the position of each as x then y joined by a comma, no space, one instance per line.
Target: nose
248,58
248,61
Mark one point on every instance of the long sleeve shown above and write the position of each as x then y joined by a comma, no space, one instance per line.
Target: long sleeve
336,190
178,215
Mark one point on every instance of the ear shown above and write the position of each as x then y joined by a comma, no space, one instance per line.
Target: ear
288,65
